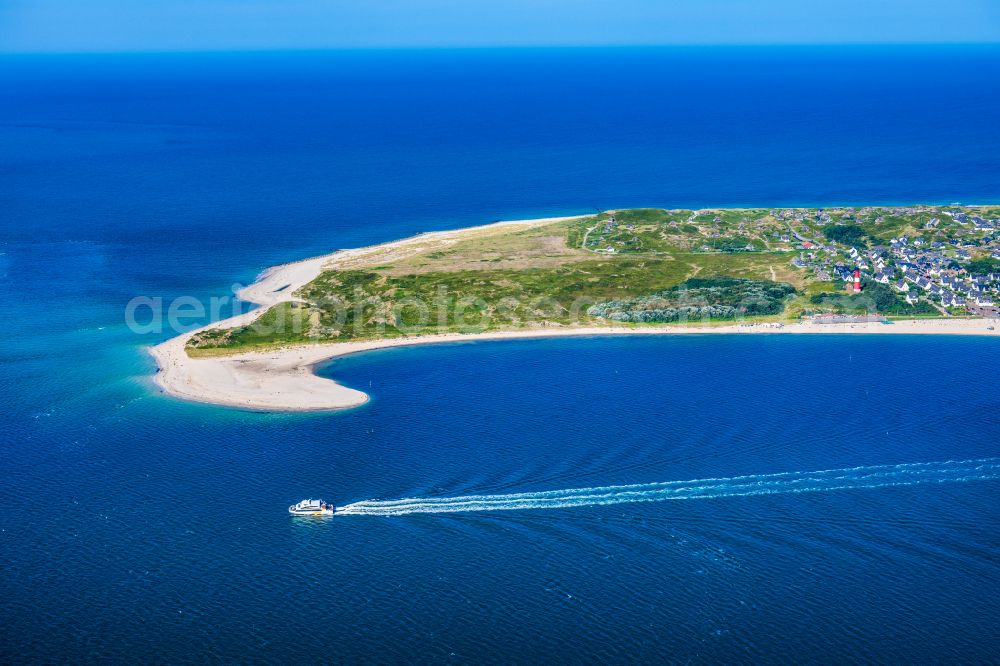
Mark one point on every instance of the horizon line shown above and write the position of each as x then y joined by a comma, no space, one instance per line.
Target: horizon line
507,47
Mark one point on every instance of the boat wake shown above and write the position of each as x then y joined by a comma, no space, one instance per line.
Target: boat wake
878,476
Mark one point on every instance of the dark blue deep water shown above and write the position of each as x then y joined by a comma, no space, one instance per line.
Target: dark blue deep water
137,528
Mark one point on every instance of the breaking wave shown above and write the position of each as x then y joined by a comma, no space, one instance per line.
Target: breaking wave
853,478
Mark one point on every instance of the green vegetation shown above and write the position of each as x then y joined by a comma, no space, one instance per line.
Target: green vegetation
983,266
283,324
713,298
350,305
848,234
642,230
658,231
633,266
734,244
874,298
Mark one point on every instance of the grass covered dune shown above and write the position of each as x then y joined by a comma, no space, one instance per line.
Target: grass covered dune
564,272
645,271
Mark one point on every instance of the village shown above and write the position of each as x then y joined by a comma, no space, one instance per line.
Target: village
934,264
918,260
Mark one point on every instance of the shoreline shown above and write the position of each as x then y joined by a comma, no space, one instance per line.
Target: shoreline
245,380
284,379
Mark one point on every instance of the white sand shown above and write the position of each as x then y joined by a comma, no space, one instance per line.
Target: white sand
283,379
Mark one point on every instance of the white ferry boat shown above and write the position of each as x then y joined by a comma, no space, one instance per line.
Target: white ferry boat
311,507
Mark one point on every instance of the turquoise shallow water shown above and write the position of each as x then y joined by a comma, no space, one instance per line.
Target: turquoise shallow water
134,526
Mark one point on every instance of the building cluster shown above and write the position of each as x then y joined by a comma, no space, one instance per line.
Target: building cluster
931,267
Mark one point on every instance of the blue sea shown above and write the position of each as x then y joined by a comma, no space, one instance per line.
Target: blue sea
137,528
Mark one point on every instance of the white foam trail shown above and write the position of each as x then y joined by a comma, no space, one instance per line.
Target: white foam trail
877,476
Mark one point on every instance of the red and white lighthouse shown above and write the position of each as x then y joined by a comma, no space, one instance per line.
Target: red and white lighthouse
857,281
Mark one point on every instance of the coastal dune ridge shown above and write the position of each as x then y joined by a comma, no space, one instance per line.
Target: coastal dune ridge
284,379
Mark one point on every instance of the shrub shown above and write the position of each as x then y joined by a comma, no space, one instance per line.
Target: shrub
847,234
706,298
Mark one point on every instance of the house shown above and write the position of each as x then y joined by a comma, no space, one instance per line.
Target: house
923,283
912,298
882,277
902,286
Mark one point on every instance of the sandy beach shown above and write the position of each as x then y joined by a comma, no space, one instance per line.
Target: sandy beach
284,379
